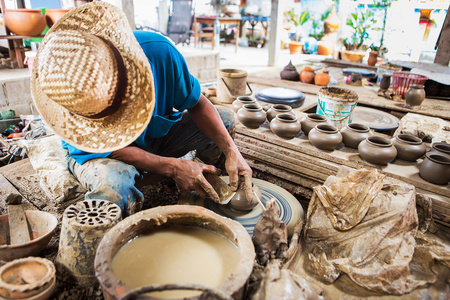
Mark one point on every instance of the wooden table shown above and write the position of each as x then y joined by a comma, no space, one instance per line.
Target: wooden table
222,21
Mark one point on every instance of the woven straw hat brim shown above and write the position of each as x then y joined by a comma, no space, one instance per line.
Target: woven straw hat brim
120,129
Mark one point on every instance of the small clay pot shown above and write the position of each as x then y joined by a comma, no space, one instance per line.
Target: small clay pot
54,14
355,133
409,147
385,82
435,168
290,72
307,75
276,109
373,58
440,148
22,21
377,150
240,101
239,201
310,121
415,95
325,137
251,115
322,79
295,47
285,125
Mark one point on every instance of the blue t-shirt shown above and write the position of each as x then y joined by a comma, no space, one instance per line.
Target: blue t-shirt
175,89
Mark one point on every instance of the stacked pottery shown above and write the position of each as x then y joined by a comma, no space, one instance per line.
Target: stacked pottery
310,121
307,75
355,133
251,115
285,125
440,148
435,168
240,101
409,147
377,150
325,137
276,109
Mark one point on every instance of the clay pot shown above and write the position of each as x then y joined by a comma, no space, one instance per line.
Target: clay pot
310,121
440,148
373,58
295,47
53,14
435,168
409,147
377,150
415,95
251,115
385,82
276,109
27,22
325,48
290,72
307,75
240,101
322,79
353,56
285,125
355,133
325,137
239,201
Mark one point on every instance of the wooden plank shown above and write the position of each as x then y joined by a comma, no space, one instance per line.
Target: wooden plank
443,43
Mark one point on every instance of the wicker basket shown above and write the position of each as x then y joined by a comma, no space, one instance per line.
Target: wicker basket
402,80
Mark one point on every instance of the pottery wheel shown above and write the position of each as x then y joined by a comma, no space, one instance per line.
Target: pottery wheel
374,119
290,209
276,95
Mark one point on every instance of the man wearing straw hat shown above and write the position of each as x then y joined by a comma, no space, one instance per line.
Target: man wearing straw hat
122,101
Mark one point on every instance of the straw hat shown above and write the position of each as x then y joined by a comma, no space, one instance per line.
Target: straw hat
91,81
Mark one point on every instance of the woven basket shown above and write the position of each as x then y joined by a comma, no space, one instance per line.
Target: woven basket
402,80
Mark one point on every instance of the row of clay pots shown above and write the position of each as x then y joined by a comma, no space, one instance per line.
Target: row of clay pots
435,168
307,75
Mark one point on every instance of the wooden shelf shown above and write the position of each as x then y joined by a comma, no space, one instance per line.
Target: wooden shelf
19,37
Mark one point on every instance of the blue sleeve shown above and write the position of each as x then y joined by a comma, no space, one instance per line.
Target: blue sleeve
81,156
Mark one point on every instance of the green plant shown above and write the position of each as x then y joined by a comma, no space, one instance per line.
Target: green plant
374,48
318,29
298,21
361,22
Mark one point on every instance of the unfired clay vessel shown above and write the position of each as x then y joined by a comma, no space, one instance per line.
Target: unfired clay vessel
240,101
290,73
385,82
310,121
409,147
239,201
251,115
415,95
377,150
435,168
325,137
440,148
278,109
355,133
285,125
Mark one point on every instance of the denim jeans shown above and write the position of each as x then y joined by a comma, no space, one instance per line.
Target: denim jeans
113,180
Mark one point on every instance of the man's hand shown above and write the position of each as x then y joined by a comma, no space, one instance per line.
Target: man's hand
189,176
237,168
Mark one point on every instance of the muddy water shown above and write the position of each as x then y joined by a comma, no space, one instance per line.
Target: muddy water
179,255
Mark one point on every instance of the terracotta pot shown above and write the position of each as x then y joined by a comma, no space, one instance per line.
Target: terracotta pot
307,75
290,72
239,201
415,95
240,101
373,58
409,147
325,137
435,168
440,148
325,48
285,125
276,109
377,150
353,56
251,115
53,14
355,133
322,79
310,121
295,47
385,82
28,22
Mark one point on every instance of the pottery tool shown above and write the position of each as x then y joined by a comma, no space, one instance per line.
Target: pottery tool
259,200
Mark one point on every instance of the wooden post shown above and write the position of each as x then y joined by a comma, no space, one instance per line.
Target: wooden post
443,43
276,19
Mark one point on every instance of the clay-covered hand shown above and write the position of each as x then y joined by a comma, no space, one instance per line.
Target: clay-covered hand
189,176
238,169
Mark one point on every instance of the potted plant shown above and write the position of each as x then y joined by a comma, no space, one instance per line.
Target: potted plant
373,55
295,46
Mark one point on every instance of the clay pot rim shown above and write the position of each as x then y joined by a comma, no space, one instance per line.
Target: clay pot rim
339,93
252,107
354,127
233,73
281,107
379,141
409,139
316,117
309,69
246,99
285,117
57,9
326,128
442,147
438,158
417,86
25,10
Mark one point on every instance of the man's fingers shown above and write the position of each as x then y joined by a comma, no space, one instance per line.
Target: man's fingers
234,180
248,187
207,187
